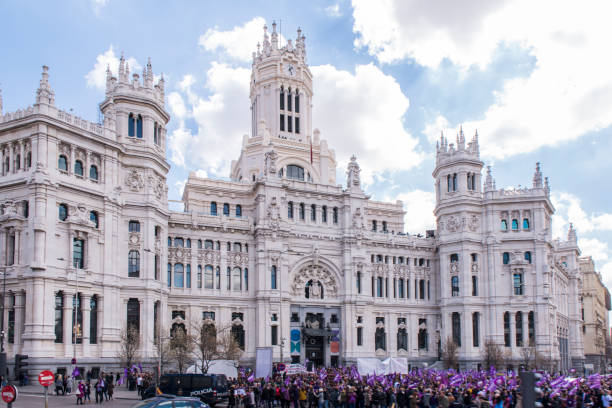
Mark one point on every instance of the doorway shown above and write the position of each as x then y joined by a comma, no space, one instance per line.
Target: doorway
314,351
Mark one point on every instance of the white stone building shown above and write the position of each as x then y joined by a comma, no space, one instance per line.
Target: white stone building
279,251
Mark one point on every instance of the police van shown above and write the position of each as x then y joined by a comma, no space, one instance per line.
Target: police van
210,388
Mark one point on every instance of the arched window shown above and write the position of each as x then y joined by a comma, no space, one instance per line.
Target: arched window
273,277
297,102
178,275
238,210
208,244
226,209
28,162
169,242
282,99
454,258
213,208
335,215
176,328
59,317
289,101
402,339
78,168
504,225
93,320
133,314
178,242
134,226
238,334
476,329
62,163
93,217
290,209
531,329
456,320
131,125
188,243
519,329
528,256
134,264
506,258
237,247
295,172
208,277
454,181
63,212
515,224
93,173
188,277
236,279
380,337
455,286
507,335
199,244
139,127
423,339
525,223
155,133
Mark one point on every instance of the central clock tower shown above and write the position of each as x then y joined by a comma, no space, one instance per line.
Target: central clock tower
281,89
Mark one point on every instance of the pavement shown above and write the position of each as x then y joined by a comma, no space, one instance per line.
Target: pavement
38,401
119,393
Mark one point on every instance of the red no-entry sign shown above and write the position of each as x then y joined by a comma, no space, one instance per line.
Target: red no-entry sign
46,378
9,394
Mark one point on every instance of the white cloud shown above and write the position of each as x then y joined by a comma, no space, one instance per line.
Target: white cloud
595,248
419,206
569,209
96,78
239,43
221,118
98,5
354,110
567,94
333,10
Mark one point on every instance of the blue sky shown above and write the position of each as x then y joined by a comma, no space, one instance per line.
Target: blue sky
534,79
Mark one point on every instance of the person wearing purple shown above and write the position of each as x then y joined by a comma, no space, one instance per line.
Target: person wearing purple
80,392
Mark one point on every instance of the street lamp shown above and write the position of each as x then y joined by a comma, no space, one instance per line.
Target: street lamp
160,344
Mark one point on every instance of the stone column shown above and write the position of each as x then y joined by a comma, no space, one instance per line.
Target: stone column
87,164
526,329
19,316
11,159
85,310
71,161
21,157
67,316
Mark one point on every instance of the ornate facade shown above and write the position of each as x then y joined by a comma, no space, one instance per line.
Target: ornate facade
279,252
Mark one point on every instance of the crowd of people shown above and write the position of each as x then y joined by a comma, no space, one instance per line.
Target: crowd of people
346,388
101,386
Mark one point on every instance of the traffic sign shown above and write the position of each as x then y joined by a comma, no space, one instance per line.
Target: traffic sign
9,394
46,378
280,367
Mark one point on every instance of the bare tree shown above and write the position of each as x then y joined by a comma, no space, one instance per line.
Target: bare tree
528,355
129,344
450,353
228,347
181,347
206,347
493,354
163,353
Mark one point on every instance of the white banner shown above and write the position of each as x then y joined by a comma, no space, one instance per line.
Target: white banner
371,366
263,362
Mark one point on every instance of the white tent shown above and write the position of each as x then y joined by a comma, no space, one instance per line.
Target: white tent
367,366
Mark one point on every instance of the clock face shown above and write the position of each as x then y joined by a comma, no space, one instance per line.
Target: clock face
290,70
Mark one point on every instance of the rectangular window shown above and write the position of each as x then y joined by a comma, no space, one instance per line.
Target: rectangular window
297,125
476,329
282,99
359,282
78,252
379,287
297,103
226,209
313,212
93,320
10,250
474,286
289,101
169,274
289,123
282,123
274,335
401,288
335,215
290,209
302,211
59,317
324,213
360,336
374,226
518,283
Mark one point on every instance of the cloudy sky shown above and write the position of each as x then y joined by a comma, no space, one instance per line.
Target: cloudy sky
533,77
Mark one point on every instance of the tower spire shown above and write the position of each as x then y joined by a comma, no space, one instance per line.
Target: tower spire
44,93
571,233
274,36
537,177
489,182
122,68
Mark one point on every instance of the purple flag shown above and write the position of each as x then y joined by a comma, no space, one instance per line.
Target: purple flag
75,372
140,367
251,378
